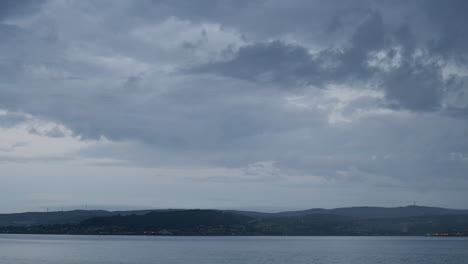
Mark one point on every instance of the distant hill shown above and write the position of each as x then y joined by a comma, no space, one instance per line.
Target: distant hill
61,217
77,216
379,212
415,221
184,219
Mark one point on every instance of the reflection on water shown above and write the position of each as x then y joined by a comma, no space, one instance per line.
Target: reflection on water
63,249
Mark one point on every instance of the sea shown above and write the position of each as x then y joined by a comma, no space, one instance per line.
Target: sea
74,249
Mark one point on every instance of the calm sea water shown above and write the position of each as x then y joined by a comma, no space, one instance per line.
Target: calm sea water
42,249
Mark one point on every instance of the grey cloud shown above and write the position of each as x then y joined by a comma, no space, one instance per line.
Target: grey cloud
12,119
263,18
291,65
55,133
10,8
272,62
133,81
419,153
415,84
369,36
448,20
24,160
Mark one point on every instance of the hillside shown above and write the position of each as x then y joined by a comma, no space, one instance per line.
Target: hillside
60,217
312,221
216,222
184,219
378,212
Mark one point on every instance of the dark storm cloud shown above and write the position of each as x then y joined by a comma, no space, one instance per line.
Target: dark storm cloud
272,62
10,8
415,86
292,65
448,20
416,83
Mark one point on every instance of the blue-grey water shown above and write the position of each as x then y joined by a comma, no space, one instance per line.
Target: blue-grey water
64,249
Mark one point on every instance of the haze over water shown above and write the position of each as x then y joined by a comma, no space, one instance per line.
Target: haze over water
41,249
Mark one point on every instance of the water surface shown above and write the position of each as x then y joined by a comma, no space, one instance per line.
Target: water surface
64,249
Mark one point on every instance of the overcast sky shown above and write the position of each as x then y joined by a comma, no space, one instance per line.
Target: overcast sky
265,105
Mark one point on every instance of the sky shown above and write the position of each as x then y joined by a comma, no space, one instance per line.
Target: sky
231,104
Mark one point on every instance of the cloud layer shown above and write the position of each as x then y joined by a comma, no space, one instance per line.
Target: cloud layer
257,98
